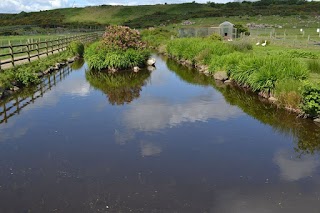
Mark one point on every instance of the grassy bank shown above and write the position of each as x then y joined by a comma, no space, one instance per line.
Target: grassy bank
291,76
121,48
24,75
27,74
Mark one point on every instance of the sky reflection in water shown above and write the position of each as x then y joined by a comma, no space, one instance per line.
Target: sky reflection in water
171,141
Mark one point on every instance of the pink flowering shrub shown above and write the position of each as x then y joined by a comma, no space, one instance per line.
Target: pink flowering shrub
122,38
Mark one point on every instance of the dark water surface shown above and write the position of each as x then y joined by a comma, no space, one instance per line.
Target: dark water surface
167,141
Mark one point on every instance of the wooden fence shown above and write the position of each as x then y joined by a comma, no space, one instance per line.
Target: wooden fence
14,105
35,49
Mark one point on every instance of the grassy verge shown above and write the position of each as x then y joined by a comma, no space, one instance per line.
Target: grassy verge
287,75
26,74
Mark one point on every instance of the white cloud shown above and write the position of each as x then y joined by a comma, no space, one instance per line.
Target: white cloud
17,131
150,148
253,198
16,6
155,114
292,168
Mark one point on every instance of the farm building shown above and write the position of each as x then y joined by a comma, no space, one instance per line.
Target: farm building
225,29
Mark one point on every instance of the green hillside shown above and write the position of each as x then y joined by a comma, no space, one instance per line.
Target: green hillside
155,15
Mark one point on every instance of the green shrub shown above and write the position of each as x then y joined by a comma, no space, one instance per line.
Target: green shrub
76,48
215,37
311,99
242,29
25,76
6,78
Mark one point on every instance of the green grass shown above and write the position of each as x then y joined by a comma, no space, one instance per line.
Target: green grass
25,75
22,39
190,48
154,15
314,65
288,93
99,57
270,70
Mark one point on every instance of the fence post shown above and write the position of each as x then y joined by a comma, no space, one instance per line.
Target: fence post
5,113
11,53
28,50
17,104
58,43
65,43
0,58
38,47
47,47
52,46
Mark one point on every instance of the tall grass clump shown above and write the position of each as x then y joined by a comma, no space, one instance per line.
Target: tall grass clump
262,73
241,46
120,48
288,93
76,48
314,66
226,63
191,48
302,54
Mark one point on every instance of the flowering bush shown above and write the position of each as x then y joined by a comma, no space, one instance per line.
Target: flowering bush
121,48
122,38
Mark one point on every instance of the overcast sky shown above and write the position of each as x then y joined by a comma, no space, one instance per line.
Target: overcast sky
16,6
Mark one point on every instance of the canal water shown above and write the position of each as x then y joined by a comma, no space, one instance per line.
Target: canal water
170,140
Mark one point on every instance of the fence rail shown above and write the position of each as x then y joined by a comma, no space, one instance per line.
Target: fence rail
35,49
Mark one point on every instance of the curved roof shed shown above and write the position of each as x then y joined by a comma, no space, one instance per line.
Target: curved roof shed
226,29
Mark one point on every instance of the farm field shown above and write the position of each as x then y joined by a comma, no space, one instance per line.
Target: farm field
144,16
